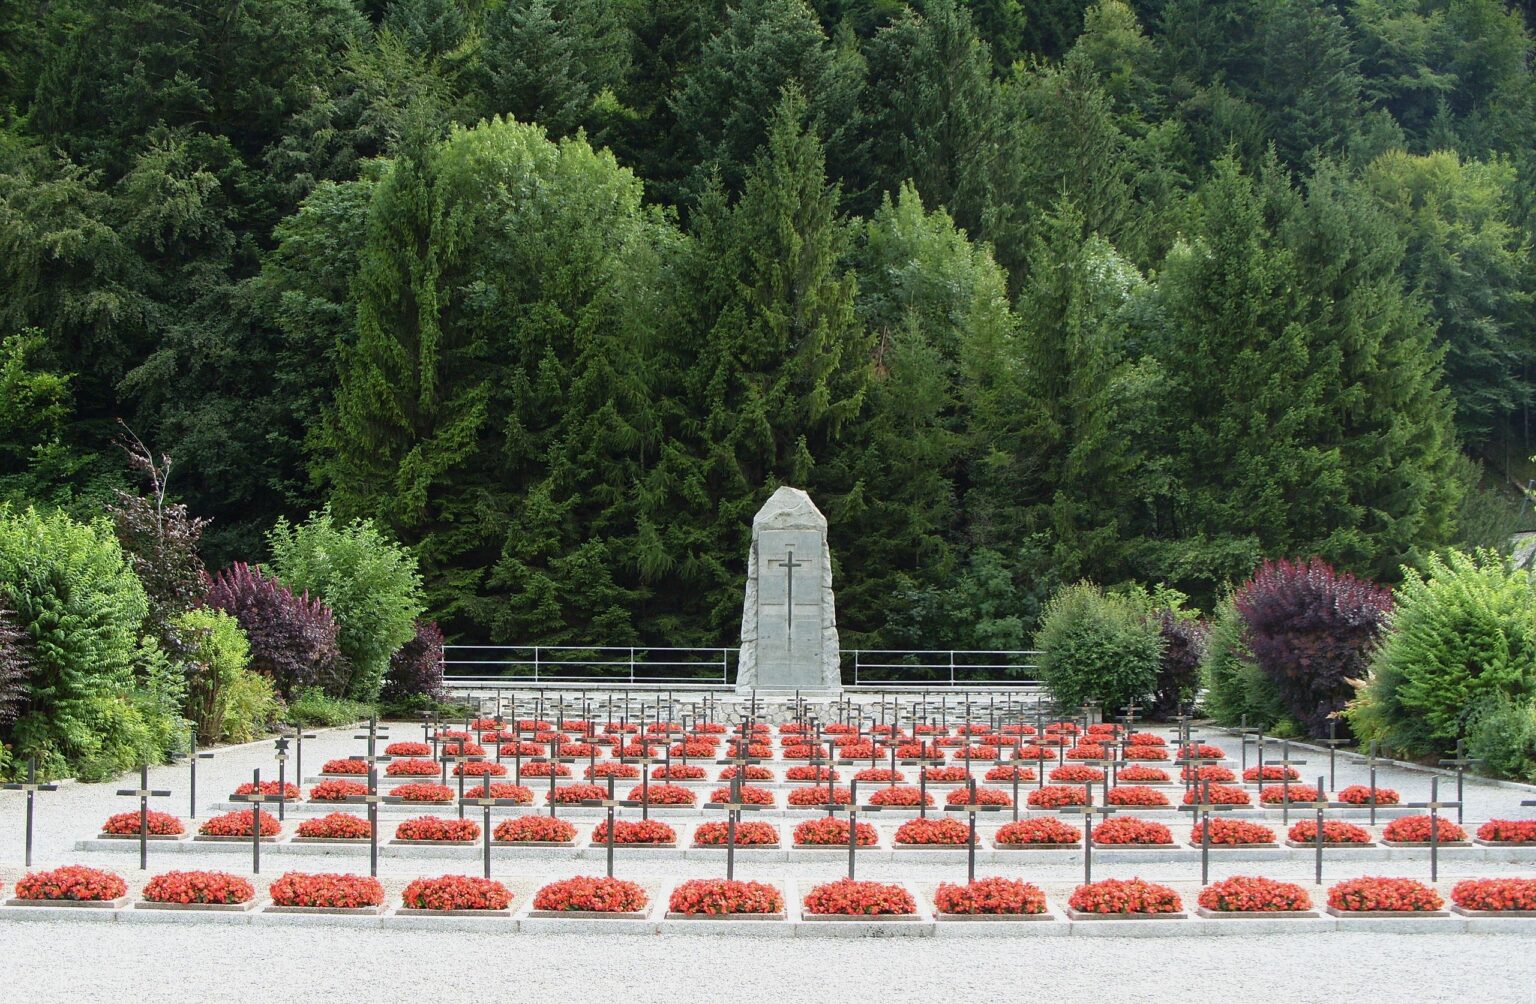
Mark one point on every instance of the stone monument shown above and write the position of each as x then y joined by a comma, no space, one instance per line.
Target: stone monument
788,625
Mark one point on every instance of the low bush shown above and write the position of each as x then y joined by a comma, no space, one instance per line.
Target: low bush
1097,647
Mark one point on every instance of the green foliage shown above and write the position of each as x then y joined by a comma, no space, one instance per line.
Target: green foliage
369,582
217,657
251,706
1097,647
1502,734
1237,690
315,707
1464,634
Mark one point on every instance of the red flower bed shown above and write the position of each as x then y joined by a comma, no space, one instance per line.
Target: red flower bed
900,795
819,796
932,831
1495,894
1202,751
1375,893
1033,753
412,768
930,730
573,794
1234,831
1018,730
831,830
1210,772
591,895
749,794
1089,751
801,751
446,734
437,828
984,796
619,728
335,791
577,749
809,772
1130,794
1129,830
1075,773
1217,794
1334,832
610,768
418,792
717,897
1144,753
748,834
288,789
1008,771
1063,728
344,766
977,753
479,768
1513,831
1252,894
238,824
326,889
160,824
1279,794
1360,794
1415,830
974,729
336,826
1146,739
1137,774
915,750
1054,796
1039,831
840,729
663,794
522,749
529,829
456,892
754,773
851,898
72,882
515,792
1272,773
879,775
634,831
757,751
1125,896
699,749
461,749
991,896
198,887
946,775
543,768
408,749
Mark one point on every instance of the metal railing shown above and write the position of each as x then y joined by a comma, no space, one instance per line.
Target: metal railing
466,666
477,667
940,667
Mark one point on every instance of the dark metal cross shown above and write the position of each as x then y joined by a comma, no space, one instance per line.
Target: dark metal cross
193,756
488,802
144,793
789,564
971,807
298,736
1244,731
1320,806
851,810
1088,812
31,786
1285,763
372,736
1333,742
282,780
256,798
1202,809
1461,762
735,807
610,803
1434,805
372,800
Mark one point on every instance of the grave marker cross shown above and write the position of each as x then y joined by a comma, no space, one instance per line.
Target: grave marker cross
1434,805
193,756
31,786
372,800
256,798
144,793
971,807
1461,762
487,801
1321,805
1285,763
1088,811
1202,809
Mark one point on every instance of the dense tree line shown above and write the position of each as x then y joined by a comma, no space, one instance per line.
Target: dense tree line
558,291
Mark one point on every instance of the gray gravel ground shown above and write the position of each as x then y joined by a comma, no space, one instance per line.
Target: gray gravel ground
84,961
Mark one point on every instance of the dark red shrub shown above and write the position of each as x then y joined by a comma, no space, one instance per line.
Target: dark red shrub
293,638
1311,630
416,668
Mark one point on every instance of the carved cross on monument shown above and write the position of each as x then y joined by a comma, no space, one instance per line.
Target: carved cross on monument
789,564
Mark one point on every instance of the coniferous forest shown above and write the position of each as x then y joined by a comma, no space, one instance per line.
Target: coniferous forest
556,292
